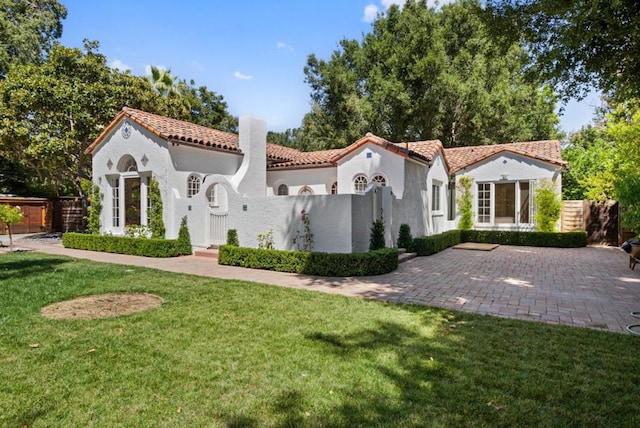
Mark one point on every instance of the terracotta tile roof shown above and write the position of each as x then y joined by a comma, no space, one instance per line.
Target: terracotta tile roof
174,130
279,153
300,159
547,150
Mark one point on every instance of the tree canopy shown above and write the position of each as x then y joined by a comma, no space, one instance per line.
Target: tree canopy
50,112
28,29
425,74
575,44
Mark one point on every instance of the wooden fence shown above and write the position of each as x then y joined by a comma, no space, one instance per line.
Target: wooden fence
600,219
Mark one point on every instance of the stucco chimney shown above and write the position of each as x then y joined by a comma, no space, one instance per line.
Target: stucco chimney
251,177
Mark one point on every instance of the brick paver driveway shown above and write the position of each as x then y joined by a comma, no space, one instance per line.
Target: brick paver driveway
587,287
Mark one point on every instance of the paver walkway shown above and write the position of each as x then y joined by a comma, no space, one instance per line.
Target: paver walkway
586,287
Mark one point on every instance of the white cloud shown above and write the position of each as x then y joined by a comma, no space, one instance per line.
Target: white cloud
370,13
119,65
282,45
241,76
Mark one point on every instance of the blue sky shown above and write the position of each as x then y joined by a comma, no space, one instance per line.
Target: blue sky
252,52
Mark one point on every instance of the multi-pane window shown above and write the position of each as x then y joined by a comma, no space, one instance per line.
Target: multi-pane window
360,184
334,188
306,190
380,180
484,202
283,190
435,196
115,204
212,195
193,185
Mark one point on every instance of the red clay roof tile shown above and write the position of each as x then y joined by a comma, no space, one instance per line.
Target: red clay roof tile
546,150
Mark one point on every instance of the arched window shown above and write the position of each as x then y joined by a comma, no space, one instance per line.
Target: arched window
212,195
283,190
378,178
306,190
360,184
193,185
334,188
127,164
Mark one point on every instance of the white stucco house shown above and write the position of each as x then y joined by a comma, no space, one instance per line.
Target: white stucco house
223,181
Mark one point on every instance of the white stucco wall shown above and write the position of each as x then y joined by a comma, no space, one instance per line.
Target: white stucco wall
381,161
170,164
508,168
318,179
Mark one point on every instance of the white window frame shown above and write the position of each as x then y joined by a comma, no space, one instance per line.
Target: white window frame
360,184
115,202
380,179
194,182
436,197
485,195
212,195
305,191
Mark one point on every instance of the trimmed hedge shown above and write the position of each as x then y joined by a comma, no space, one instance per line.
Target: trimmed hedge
311,263
428,245
126,245
527,239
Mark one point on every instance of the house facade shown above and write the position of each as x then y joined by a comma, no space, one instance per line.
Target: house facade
223,181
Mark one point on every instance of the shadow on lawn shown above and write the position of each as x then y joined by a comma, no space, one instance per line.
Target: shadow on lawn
21,265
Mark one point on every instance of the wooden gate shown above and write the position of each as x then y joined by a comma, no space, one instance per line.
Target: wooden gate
217,229
34,215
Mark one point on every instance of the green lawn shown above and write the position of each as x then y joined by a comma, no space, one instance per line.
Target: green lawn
231,353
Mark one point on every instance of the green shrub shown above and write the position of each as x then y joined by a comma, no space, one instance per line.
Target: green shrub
405,240
125,245
184,239
465,203
232,238
95,206
548,206
156,223
323,264
428,245
376,240
530,239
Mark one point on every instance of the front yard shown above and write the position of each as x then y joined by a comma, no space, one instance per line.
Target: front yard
231,353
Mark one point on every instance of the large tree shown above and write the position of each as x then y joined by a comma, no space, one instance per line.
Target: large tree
28,29
575,44
51,112
425,74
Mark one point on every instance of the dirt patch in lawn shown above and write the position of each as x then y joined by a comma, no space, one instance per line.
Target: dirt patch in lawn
102,306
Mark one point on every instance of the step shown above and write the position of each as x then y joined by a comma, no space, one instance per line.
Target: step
403,257
206,252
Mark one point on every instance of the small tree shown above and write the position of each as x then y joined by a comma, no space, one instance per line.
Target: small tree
465,203
376,241
156,223
95,206
10,215
548,206
405,240
184,238
232,238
